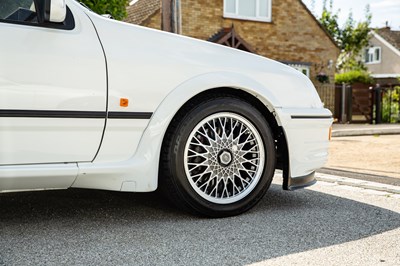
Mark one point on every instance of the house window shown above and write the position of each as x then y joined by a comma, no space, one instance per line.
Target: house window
305,69
373,55
258,10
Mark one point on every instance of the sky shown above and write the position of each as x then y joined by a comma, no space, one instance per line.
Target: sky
382,11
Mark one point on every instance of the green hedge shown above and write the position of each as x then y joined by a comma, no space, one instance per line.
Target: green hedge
353,76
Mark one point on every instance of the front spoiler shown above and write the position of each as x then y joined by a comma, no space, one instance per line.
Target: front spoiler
299,182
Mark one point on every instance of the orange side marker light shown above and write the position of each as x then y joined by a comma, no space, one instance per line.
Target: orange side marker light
123,102
330,133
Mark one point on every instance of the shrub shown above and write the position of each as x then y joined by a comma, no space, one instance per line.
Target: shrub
353,76
116,8
391,106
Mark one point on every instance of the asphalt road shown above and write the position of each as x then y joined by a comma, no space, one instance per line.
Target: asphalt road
326,225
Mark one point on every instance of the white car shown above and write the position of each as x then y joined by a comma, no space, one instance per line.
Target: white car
89,102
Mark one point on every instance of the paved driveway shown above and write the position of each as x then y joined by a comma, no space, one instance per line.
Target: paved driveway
322,225
375,158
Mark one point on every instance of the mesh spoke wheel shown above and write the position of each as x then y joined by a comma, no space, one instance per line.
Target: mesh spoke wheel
224,158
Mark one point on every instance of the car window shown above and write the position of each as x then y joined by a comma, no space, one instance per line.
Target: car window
18,10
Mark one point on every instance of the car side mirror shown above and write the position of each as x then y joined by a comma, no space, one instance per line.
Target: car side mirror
51,10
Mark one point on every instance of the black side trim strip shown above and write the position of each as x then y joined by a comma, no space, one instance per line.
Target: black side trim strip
311,116
74,114
51,114
129,115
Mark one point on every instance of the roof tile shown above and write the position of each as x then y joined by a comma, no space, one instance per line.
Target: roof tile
142,10
391,36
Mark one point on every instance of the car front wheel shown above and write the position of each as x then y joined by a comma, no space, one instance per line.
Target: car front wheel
218,157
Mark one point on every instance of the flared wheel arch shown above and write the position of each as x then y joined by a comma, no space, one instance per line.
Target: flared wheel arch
282,154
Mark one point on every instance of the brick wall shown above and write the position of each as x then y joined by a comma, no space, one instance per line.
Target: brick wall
154,21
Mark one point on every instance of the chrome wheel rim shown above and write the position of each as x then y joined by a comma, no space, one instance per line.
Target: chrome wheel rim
224,158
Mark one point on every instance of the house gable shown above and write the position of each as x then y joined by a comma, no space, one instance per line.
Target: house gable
391,36
229,37
387,42
390,40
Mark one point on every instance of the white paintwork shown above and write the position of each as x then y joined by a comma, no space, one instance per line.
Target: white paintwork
58,10
154,63
48,140
158,72
121,140
307,139
51,69
37,177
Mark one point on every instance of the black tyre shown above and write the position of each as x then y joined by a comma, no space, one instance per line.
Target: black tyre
218,157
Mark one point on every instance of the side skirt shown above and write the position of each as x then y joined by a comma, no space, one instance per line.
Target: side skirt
14,178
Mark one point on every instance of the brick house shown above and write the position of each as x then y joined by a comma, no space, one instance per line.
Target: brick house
285,31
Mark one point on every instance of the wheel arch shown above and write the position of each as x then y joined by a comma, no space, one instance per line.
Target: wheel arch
266,110
234,84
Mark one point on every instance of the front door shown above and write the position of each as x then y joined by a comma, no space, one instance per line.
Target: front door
52,87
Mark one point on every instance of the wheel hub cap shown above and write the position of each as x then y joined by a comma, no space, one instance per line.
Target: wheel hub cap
225,158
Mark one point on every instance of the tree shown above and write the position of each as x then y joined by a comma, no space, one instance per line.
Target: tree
352,38
116,8
329,21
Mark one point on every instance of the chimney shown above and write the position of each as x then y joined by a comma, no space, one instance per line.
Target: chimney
387,25
171,16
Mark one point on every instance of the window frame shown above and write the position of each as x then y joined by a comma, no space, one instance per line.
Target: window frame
301,67
256,18
373,54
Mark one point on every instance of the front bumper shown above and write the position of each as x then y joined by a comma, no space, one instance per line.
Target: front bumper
307,137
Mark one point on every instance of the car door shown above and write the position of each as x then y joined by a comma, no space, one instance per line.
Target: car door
53,87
